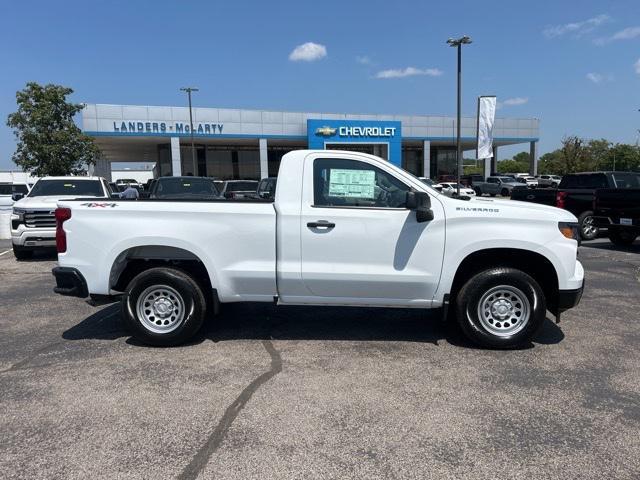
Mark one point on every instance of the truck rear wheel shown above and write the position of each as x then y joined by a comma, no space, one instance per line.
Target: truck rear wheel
621,238
504,192
588,227
500,308
163,307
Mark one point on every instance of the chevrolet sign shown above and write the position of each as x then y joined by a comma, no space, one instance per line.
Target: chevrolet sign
326,131
367,131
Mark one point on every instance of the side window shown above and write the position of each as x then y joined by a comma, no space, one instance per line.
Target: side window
350,183
492,180
595,181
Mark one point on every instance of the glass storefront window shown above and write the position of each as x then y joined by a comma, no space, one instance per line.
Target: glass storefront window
233,163
412,160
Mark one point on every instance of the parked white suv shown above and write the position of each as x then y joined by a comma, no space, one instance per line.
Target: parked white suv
33,223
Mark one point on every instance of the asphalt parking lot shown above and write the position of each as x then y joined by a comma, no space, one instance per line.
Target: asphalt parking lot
298,392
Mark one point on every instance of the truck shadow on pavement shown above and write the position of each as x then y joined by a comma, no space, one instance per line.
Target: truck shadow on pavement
267,322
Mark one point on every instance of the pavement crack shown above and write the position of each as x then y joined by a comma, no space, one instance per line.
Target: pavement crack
200,460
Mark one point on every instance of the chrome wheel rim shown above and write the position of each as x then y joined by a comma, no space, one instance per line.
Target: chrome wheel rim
588,227
160,309
504,310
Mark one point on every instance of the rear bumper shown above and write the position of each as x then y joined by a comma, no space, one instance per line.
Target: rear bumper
569,298
70,282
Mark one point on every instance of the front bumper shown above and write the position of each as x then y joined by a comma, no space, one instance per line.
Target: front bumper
33,237
70,282
569,298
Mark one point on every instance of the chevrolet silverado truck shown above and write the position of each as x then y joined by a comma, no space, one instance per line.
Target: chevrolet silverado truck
344,229
33,223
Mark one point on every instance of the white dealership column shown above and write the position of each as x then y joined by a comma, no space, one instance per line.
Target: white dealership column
426,159
264,158
533,158
176,165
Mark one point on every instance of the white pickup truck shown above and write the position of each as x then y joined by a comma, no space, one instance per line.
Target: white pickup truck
344,228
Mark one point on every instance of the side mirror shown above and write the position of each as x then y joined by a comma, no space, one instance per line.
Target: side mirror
421,203
17,196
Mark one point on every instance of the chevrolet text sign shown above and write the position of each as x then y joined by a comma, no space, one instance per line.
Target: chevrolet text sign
367,131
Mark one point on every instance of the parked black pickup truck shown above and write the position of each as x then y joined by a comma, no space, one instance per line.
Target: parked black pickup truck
576,194
618,210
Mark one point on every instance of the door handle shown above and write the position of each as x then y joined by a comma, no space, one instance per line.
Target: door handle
321,224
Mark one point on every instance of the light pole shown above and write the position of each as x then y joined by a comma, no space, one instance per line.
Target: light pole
193,147
458,42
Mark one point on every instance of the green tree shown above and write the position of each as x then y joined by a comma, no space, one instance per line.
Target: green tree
513,166
550,164
49,142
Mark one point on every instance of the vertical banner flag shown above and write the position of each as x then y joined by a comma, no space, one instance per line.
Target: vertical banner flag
486,117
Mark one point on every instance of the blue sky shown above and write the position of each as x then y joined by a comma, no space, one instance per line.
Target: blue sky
573,64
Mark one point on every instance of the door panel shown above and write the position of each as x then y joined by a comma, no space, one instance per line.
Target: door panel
370,252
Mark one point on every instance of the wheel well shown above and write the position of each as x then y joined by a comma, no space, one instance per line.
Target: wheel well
532,263
135,260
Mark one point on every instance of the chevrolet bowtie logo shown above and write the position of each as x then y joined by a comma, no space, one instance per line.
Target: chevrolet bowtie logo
326,131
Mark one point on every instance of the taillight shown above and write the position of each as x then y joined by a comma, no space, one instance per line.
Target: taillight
561,199
62,214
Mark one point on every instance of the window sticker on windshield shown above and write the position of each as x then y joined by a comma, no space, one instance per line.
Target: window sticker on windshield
352,183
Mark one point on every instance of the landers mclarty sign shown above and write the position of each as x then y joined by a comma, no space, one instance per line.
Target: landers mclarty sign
166,127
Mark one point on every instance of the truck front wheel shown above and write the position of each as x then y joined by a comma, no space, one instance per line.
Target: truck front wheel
163,307
500,308
22,253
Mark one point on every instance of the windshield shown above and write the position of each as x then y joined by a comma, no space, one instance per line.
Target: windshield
9,189
242,186
185,187
85,188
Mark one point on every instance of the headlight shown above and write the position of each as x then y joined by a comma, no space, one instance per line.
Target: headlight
570,230
18,211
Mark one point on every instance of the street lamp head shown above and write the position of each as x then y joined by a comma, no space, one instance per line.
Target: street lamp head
189,89
456,42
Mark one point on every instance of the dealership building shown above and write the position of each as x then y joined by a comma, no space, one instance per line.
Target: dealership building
248,144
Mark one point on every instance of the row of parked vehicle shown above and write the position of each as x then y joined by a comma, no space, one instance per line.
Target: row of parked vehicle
601,200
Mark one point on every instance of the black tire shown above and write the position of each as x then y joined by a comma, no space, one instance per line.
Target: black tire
183,292
505,192
22,253
478,191
500,279
621,238
588,231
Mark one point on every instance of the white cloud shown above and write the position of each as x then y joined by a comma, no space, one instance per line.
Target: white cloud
364,60
308,52
516,101
512,102
577,29
408,72
595,77
637,66
627,34
599,77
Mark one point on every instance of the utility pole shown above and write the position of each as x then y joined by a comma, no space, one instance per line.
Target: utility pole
193,147
458,42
